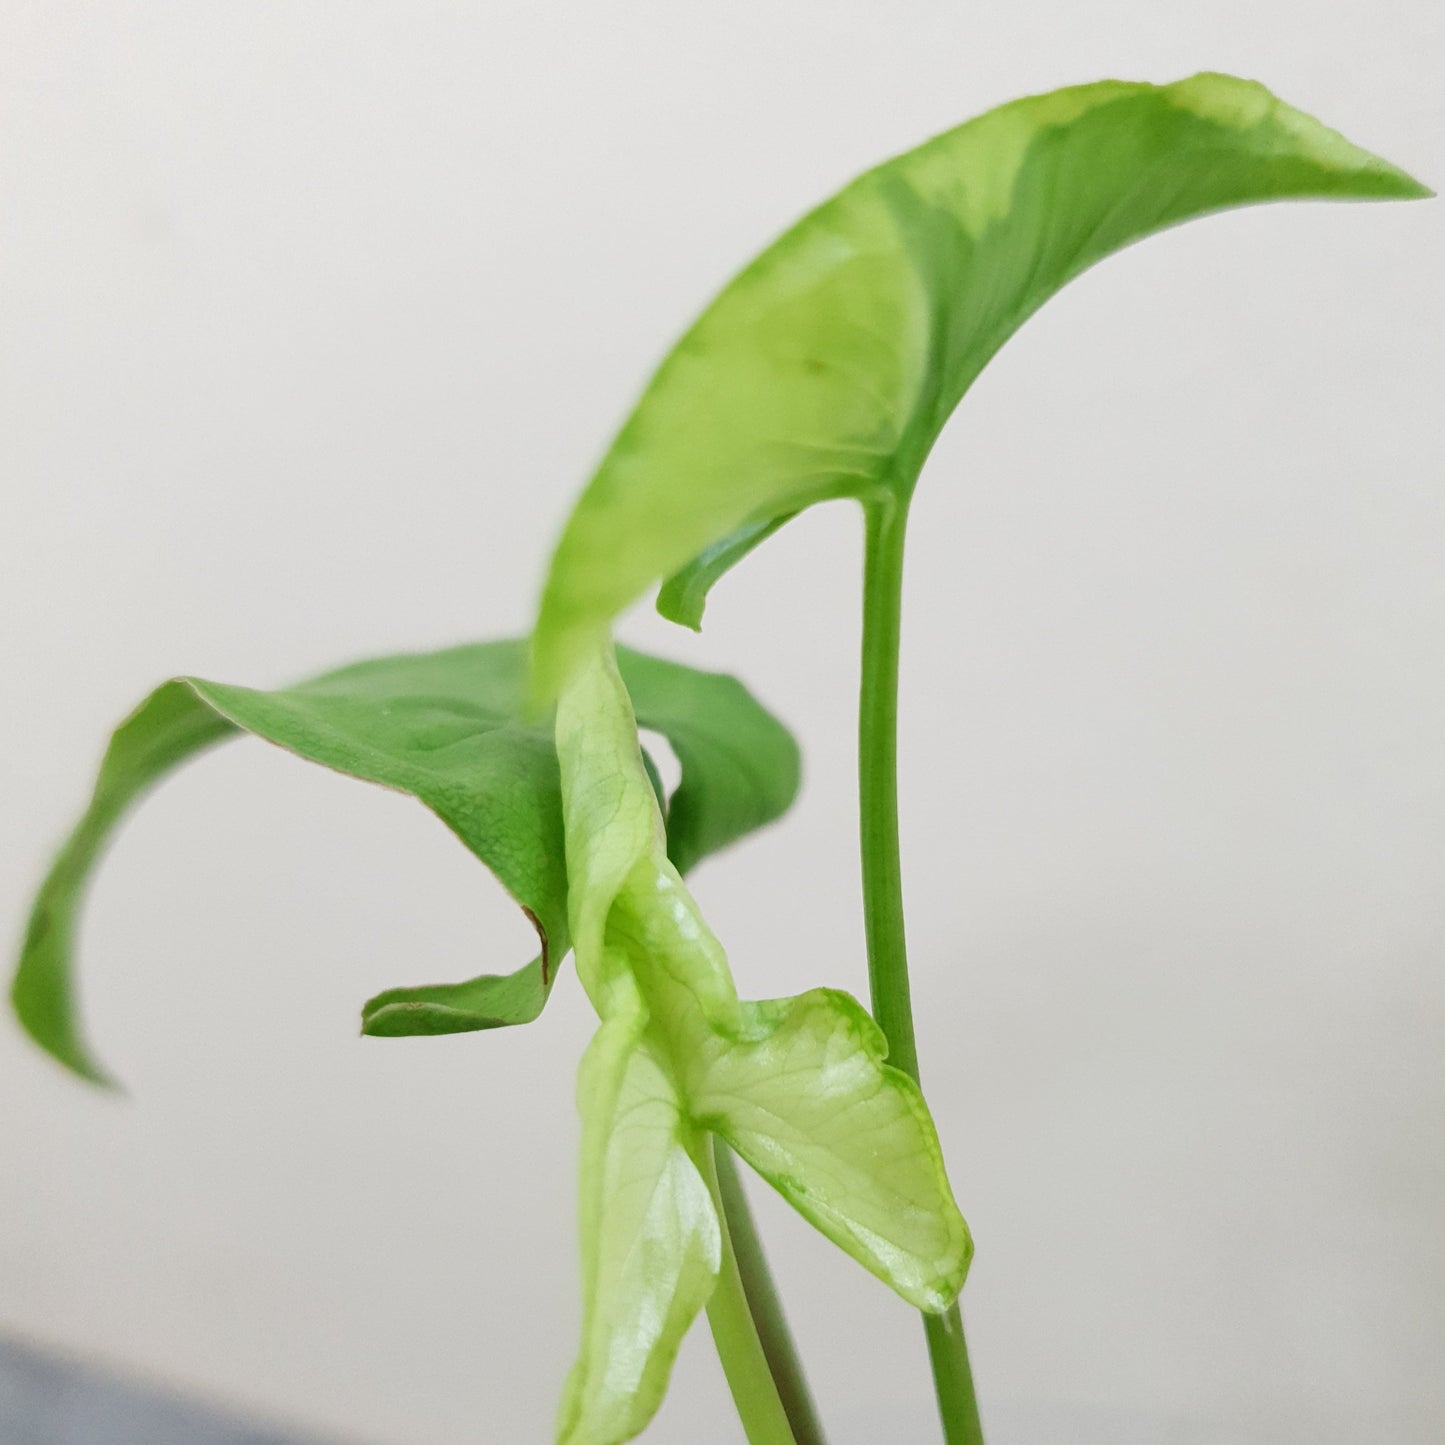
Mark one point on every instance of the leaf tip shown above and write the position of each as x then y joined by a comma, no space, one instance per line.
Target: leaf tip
679,603
51,1028
388,1016
83,1065
940,1294
1249,106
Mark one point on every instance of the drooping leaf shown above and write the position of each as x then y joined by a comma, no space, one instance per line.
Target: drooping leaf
829,365
651,1238
490,1001
450,729
858,1159
171,725
683,596
798,1087
740,771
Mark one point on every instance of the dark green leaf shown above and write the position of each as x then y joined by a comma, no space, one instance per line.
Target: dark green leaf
828,367
740,766
450,729
740,771
172,724
493,1001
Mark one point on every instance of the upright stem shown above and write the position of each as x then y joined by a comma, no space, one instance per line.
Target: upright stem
887,522
767,1309
746,1366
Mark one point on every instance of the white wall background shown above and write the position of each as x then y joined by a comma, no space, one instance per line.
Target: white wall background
314,318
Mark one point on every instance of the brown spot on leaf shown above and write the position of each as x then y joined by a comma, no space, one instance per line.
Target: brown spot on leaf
546,950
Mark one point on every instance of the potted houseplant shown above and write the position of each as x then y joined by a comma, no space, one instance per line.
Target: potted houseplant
826,371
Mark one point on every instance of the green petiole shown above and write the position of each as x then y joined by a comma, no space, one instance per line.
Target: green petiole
734,1332
766,1306
886,526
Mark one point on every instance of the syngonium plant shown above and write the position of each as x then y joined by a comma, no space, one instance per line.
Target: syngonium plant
826,369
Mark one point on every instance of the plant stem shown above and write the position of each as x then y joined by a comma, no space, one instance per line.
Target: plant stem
887,521
736,1336
763,1302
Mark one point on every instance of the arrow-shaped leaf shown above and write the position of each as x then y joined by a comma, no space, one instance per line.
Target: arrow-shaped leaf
829,365
798,1087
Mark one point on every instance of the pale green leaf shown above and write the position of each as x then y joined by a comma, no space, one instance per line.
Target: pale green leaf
651,1238
799,1087
828,367
855,1153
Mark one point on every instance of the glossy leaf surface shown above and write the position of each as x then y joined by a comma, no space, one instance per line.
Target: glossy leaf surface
798,1087
448,728
651,1239
828,367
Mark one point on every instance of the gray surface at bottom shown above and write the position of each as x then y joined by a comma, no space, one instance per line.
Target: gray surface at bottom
45,1400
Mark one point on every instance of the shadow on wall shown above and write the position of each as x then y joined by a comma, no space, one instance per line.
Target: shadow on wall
1013,1422
45,1400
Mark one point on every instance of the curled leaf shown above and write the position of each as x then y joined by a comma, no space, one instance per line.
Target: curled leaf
829,365
171,725
492,1001
651,1237
451,729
